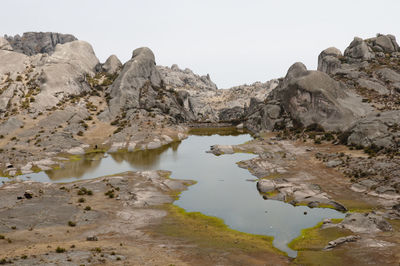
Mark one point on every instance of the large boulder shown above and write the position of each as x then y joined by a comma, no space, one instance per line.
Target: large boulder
137,83
328,60
5,45
139,86
384,43
32,43
313,97
12,62
376,129
358,49
112,65
64,72
365,223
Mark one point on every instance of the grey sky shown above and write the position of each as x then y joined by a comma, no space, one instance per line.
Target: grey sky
235,42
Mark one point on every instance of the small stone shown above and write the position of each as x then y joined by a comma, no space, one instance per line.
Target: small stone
92,238
28,194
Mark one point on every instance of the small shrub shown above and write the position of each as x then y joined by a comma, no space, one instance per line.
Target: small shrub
71,223
80,133
60,250
81,200
110,193
88,208
97,250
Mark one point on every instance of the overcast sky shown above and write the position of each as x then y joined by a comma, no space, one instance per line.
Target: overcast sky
236,42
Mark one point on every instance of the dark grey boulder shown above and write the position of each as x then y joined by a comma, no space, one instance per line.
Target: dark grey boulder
388,75
387,43
137,83
31,43
139,86
375,130
234,114
112,65
314,97
358,49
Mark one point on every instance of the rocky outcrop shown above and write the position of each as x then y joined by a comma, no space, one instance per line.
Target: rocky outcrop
328,60
64,73
140,86
112,65
31,43
209,105
176,78
359,49
309,97
136,86
365,223
379,129
384,43
41,81
5,45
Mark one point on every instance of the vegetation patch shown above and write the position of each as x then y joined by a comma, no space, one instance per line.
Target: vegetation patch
211,232
311,242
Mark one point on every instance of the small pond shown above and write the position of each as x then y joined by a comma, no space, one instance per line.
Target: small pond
223,189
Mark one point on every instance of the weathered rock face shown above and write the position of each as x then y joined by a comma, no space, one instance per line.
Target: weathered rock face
201,97
39,82
64,72
5,45
376,129
365,223
176,78
136,86
359,49
139,86
313,97
384,43
32,43
112,65
328,60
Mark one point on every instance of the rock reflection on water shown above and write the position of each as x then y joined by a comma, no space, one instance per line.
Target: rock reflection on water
76,169
144,159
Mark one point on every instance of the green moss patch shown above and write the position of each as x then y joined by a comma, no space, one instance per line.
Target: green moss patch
357,205
311,242
316,238
211,232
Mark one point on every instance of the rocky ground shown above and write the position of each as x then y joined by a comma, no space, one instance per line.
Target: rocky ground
335,144
301,173
112,220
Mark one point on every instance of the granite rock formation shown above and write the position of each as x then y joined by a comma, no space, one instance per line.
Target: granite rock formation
31,43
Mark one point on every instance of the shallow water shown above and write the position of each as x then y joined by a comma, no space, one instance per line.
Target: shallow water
222,189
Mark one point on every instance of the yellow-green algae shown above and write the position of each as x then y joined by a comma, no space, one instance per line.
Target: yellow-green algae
222,131
358,205
311,242
211,232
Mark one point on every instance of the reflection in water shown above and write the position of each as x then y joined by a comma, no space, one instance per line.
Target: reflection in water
145,158
221,131
221,191
77,169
